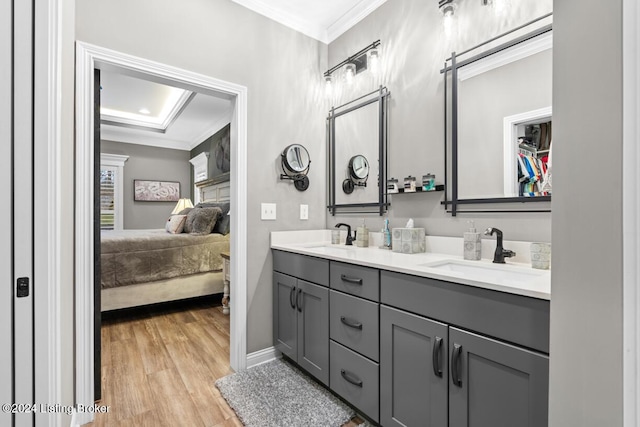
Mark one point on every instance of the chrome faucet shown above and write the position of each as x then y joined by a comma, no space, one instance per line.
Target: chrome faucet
349,238
500,253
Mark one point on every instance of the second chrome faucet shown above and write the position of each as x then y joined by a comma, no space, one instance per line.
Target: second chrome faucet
501,253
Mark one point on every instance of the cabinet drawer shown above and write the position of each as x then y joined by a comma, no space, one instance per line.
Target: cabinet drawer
309,268
354,323
355,378
363,282
513,318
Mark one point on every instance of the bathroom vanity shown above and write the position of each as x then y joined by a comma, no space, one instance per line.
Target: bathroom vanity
420,339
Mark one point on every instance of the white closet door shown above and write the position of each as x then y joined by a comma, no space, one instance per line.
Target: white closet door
6,277
23,280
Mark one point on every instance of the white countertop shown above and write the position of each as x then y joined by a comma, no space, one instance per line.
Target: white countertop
514,277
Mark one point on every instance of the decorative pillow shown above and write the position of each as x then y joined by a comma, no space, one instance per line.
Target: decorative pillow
184,211
175,224
223,226
202,221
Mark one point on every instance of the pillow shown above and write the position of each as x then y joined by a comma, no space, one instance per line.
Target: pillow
223,226
175,224
184,211
202,221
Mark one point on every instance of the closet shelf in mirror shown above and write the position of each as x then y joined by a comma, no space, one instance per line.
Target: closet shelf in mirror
438,187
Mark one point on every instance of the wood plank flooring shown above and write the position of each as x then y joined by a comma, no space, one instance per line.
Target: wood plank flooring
160,363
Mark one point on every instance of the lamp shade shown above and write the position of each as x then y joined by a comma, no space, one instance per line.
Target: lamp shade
182,204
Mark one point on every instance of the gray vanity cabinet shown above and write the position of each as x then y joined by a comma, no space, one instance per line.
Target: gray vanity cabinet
301,312
413,370
495,384
487,382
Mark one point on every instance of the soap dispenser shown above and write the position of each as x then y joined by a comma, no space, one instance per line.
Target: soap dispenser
362,236
472,243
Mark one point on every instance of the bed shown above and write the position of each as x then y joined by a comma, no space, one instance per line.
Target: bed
140,267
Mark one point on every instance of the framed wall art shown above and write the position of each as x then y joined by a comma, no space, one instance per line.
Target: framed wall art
155,191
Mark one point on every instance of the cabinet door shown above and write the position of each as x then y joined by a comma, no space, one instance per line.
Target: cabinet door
312,303
496,384
285,334
413,370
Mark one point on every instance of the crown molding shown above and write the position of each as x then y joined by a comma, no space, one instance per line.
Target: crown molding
127,138
211,130
351,18
307,28
156,123
311,29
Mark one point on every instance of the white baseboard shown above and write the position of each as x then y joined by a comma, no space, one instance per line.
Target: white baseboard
262,356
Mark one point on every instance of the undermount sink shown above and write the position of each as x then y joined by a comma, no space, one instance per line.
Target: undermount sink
502,273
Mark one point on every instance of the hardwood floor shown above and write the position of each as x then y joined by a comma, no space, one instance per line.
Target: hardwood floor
160,363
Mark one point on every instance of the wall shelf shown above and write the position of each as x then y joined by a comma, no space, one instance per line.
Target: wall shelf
439,187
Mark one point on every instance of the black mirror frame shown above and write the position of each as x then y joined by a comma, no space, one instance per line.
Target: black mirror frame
379,207
451,67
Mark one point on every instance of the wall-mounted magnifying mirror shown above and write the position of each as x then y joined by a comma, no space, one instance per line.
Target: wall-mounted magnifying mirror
359,126
295,165
358,171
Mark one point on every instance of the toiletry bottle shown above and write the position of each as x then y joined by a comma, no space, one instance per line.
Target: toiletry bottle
472,243
362,236
386,235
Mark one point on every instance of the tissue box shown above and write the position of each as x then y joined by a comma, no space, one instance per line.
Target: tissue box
408,240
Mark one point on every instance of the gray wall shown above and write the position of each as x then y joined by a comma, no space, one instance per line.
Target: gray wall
586,305
150,163
413,50
286,104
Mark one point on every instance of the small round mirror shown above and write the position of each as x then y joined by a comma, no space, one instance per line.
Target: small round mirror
295,165
359,167
295,159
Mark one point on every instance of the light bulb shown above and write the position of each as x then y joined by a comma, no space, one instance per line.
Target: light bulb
448,19
328,84
350,72
374,60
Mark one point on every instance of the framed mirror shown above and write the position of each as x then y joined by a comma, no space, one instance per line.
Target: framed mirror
499,136
295,165
357,155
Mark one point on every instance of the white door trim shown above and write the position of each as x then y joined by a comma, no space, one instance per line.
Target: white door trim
47,199
510,146
89,57
631,212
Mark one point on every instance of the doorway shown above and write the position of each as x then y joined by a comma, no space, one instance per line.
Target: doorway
88,58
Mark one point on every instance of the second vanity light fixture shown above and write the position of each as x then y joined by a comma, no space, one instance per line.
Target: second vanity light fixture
366,58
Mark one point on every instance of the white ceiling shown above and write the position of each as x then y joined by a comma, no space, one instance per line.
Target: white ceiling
324,20
180,119
193,117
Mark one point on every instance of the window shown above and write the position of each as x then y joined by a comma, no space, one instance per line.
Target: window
111,187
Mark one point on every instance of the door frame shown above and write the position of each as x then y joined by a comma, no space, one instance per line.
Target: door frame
88,57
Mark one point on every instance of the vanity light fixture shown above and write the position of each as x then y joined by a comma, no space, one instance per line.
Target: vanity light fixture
367,57
500,7
448,7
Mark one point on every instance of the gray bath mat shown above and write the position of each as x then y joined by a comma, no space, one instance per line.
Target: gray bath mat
277,394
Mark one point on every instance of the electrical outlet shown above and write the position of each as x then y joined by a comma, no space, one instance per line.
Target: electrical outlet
268,211
304,211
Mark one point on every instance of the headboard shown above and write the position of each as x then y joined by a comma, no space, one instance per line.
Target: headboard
214,190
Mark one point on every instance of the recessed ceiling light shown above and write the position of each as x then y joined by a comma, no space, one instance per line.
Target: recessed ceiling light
144,111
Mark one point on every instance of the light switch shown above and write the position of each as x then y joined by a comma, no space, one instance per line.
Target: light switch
268,211
304,211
